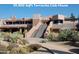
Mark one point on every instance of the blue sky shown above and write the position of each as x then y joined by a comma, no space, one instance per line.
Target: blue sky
8,10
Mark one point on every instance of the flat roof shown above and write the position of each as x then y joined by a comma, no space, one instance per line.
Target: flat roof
22,19
14,26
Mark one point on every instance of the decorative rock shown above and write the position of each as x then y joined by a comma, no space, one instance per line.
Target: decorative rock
4,43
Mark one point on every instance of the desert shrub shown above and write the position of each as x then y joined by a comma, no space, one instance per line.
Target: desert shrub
64,35
51,37
11,37
42,41
74,37
19,49
3,34
68,35
25,49
18,34
35,46
11,46
3,49
14,51
14,36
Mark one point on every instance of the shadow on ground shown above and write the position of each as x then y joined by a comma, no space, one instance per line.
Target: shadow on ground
53,51
72,44
76,50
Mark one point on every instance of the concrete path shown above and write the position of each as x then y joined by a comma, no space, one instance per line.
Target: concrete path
52,47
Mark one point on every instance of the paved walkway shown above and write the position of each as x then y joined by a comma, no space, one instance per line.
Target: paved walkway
52,47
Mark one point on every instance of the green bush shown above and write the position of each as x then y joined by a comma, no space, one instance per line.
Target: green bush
68,35
74,37
10,37
3,34
16,43
16,35
51,37
64,35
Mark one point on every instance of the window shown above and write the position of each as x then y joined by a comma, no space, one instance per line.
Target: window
60,21
55,22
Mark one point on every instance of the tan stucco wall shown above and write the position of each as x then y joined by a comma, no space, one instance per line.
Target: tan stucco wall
35,21
58,17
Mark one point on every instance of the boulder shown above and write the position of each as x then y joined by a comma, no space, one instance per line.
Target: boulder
4,43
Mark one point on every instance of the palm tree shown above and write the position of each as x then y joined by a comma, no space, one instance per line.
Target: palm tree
72,17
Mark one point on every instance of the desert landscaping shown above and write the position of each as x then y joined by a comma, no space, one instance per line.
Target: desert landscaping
55,34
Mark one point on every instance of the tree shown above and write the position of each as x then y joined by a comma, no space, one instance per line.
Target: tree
78,23
72,17
78,19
